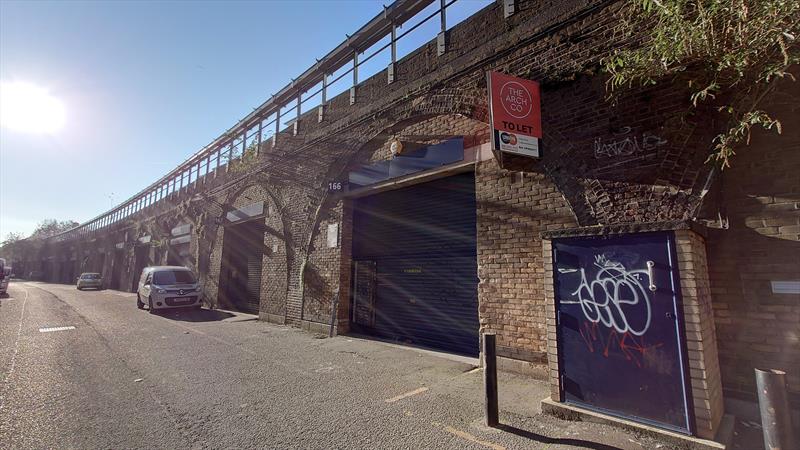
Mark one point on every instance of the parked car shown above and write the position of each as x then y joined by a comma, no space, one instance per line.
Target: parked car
168,287
90,280
5,276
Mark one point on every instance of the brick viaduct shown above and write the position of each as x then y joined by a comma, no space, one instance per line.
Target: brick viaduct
736,231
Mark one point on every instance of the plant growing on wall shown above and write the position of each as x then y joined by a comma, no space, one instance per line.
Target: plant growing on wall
731,53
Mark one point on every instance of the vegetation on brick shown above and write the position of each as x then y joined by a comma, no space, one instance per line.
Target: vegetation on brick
730,53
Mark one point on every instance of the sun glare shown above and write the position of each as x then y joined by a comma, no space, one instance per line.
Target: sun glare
28,108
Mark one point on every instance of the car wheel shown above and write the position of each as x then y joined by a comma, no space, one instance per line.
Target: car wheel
150,305
79,288
139,303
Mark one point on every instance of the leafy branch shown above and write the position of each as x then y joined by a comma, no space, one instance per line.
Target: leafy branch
729,52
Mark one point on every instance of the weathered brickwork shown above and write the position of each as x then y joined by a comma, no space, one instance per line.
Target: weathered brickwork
633,161
513,209
321,276
701,341
758,200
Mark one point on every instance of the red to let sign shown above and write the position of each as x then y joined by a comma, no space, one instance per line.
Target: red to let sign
516,115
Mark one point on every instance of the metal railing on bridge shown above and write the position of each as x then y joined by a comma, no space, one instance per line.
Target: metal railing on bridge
266,121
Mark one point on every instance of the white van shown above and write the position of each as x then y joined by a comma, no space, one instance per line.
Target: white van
168,287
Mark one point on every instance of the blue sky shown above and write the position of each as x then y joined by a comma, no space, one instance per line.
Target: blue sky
145,84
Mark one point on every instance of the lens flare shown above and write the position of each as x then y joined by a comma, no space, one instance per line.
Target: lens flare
29,108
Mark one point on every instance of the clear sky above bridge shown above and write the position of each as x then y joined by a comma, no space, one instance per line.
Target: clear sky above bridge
143,85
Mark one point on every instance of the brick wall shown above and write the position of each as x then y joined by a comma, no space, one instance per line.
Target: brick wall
638,160
701,342
513,209
321,275
758,198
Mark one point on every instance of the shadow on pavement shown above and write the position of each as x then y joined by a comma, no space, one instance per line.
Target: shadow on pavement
555,441
195,315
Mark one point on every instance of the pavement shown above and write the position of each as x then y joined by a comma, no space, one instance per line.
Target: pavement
124,378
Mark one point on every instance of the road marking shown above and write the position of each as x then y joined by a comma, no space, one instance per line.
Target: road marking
47,330
5,418
16,346
471,438
407,394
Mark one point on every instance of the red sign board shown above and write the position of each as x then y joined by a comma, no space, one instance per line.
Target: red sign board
516,115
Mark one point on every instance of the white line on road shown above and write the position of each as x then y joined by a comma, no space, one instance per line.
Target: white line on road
16,351
47,330
407,394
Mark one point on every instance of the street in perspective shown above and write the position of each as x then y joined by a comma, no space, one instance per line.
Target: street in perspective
428,224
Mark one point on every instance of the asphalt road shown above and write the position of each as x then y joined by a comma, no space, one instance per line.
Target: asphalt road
124,378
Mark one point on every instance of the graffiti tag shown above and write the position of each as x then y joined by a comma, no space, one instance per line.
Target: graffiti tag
613,295
626,144
633,348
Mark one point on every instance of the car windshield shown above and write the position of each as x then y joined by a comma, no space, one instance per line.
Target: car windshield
173,277
91,276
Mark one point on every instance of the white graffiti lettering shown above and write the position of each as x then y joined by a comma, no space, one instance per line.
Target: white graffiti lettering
613,294
626,145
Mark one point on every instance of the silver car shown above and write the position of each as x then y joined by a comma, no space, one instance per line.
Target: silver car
168,287
90,280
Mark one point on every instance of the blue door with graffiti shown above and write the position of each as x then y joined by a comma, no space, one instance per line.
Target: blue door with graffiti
620,326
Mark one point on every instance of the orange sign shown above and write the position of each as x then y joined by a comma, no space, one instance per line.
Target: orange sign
516,116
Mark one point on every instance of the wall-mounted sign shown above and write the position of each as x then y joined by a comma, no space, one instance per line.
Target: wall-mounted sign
246,212
333,235
516,116
180,230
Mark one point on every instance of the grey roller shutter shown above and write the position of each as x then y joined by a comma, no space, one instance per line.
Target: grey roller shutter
422,240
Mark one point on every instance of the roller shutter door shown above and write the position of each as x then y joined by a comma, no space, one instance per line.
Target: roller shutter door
419,246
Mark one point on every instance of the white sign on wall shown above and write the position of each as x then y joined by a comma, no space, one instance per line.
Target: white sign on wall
333,235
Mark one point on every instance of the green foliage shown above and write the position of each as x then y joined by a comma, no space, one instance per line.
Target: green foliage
247,161
729,52
52,227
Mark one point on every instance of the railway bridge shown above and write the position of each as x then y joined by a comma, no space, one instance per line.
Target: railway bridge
384,210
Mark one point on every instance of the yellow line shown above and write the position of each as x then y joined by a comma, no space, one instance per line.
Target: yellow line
407,394
471,438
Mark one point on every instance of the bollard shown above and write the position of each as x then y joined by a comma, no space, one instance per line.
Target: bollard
490,378
773,404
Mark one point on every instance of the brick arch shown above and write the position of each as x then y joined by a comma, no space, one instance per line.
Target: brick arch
472,102
667,185
277,268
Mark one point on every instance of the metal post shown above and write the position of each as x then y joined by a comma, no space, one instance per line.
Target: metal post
216,171
277,126
296,127
321,109
773,403
355,77
490,378
230,157
244,143
258,139
509,8
390,70
441,39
